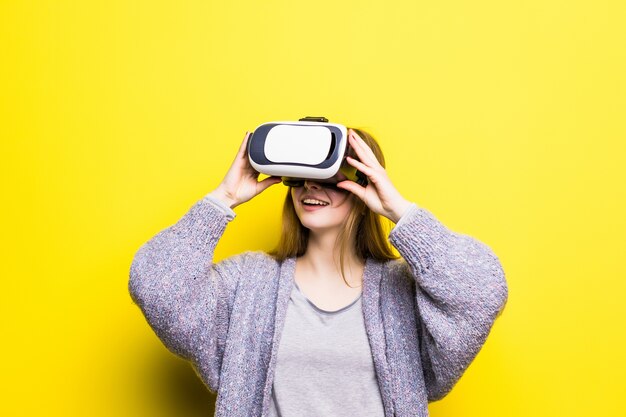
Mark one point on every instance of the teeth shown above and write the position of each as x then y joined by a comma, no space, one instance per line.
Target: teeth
313,201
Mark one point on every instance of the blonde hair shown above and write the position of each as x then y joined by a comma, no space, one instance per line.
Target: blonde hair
366,227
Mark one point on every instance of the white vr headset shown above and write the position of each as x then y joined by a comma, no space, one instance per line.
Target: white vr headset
310,148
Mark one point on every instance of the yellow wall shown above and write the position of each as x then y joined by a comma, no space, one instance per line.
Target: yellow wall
505,119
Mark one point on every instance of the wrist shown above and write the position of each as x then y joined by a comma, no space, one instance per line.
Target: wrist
222,195
399,209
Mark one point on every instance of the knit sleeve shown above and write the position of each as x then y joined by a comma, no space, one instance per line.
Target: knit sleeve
460,291
184,296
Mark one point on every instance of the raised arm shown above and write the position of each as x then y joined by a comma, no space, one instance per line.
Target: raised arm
460,290
186,297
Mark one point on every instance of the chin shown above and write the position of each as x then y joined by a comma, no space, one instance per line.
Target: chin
318,223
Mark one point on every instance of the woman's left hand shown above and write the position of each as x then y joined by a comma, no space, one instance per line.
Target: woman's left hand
379,195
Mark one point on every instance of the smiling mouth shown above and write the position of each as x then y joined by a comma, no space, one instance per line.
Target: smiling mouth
314,202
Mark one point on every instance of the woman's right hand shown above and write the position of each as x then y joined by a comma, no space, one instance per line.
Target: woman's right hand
241,181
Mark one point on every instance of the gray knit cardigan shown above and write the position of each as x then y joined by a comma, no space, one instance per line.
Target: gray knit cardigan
427,314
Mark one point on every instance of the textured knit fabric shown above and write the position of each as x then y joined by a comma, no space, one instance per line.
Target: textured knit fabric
324,365
426,315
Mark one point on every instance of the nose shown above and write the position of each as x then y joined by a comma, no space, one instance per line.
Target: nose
309,184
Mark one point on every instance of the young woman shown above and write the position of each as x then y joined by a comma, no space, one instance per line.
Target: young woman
330,323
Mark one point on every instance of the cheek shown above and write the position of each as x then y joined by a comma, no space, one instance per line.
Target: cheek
344,204
343,199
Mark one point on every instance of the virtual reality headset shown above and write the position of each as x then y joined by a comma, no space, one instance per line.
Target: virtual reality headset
310,148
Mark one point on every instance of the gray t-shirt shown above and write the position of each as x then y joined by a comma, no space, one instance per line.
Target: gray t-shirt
324,364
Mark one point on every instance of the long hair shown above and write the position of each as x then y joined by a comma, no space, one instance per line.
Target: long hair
363,228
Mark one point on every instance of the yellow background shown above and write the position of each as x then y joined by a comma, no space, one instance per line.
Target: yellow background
503,118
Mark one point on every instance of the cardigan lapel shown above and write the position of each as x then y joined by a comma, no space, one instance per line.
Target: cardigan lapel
372,278
285,284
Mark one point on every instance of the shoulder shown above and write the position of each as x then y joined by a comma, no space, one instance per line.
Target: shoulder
248,258
397,288
254,264
397,268
259,257
397,272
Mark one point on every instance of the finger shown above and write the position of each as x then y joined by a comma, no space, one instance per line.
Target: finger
353,187
363,151
242,149
361,166
268,182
